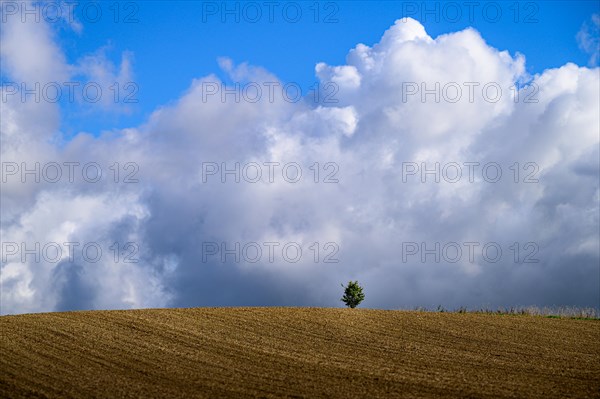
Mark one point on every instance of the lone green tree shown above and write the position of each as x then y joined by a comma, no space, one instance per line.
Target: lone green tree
353,294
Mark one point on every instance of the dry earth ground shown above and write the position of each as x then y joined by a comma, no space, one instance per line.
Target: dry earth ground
296,352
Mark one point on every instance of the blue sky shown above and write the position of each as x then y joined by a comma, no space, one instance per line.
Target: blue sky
387,228
175,42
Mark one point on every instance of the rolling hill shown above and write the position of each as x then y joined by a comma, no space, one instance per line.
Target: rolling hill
296,352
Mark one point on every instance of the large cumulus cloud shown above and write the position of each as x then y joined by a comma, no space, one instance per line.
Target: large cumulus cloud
377,125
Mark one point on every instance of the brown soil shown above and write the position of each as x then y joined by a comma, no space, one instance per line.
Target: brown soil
296,352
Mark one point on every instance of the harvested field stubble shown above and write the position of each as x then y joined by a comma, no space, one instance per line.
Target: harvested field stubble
296,352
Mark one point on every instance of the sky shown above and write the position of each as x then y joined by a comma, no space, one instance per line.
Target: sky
194,153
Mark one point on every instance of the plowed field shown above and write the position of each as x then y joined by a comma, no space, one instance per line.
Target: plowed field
296,352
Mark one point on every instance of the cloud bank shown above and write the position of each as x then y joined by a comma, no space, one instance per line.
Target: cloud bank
379,192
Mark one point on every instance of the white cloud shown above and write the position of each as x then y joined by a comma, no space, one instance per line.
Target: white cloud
33,62
369,213
29,52
588,39
117,83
